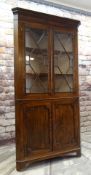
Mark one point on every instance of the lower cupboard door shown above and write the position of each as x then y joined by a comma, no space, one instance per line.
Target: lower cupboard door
33,130
65,125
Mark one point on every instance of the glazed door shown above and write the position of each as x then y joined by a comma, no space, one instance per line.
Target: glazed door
33,130
37,69
65,124
63,67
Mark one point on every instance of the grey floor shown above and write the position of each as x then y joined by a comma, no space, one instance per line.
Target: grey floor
72,166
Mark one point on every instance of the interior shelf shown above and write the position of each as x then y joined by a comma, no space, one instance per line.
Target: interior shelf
45,74
44,51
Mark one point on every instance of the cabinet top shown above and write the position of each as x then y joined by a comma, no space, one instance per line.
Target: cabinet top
24,14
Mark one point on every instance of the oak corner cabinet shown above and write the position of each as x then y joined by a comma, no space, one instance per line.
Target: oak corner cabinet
46,87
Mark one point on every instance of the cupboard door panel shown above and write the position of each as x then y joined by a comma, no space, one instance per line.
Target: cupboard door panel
65,125
35,130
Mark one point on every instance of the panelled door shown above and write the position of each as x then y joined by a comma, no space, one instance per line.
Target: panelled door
35,131
65,124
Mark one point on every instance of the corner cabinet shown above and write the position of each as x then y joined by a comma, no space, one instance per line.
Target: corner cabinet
46,87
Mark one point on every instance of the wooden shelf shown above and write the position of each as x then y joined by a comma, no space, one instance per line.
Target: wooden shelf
63,74
46,75
44,51
34,75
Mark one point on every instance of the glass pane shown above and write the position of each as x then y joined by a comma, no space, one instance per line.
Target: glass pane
36,44
63,62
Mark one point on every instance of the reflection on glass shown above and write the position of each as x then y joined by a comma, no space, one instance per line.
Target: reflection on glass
63,62
36,60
